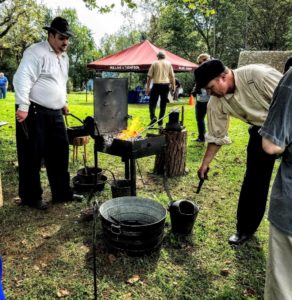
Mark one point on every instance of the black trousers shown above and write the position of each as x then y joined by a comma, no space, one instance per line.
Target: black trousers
255,187
201,111
157,90
42,137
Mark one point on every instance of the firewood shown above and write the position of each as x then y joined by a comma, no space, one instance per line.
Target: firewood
172,162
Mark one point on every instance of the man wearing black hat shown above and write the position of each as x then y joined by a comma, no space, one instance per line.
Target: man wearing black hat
244,93
40,91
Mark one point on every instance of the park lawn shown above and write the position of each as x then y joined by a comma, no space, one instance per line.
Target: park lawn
48,255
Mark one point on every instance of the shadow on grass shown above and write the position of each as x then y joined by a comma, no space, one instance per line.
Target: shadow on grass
251,265
112,267
187,268
44,247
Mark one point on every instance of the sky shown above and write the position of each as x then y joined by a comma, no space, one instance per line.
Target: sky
99,24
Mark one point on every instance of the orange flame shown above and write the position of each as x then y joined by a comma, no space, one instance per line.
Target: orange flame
132,131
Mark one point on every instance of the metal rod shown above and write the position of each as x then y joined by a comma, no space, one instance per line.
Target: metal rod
127,168
94,245
150,126
200,185
182,115
139,170
133,176
96,127
70,114
24,128
95,155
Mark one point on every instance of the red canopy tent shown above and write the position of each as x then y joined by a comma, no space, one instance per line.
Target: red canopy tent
139,58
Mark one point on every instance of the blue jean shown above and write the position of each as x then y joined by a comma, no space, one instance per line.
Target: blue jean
2,92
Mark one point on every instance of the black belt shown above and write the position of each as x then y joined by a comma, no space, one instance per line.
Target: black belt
40,107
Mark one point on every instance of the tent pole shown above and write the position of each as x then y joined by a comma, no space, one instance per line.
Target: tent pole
86,91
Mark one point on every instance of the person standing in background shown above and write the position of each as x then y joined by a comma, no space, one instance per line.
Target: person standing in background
162,75
41,100
277,140
177,88
3,85
202,99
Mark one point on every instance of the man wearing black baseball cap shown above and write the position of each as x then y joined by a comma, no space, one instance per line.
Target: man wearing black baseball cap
41,100
245,93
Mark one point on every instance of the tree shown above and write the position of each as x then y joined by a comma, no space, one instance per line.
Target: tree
12,11
30,30
268,24
29,18
224,28
289,34
106,8
82,49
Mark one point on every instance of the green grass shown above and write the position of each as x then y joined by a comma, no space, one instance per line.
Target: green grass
45,252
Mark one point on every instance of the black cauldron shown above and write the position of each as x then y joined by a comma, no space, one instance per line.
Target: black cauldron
81,184
89,174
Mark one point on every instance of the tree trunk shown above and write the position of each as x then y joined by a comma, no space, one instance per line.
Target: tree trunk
172,161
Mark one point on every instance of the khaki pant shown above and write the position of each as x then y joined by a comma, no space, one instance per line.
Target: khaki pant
279,266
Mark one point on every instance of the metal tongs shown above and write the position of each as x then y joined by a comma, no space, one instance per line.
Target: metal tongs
202,181
151,126
200,185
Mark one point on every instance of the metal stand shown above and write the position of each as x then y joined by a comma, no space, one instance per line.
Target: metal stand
130,169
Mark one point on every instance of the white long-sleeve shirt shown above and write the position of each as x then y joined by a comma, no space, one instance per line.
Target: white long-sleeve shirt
41,78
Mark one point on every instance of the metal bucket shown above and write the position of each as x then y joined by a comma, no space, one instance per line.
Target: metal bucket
75,131
183,214
121,188
133,225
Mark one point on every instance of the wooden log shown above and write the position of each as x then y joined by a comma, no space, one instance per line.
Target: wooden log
1,193
172,161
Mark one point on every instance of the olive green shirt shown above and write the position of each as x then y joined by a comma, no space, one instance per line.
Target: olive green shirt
161,71
254,88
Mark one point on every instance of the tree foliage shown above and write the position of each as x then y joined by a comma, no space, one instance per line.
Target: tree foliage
31,18
22,26
13,11
92,4
268,23
222,28
82,49
186,27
